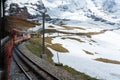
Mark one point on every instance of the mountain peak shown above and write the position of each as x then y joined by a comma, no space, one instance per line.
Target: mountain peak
110,5
74,9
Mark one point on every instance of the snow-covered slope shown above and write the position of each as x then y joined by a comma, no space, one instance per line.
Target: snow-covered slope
84,50
97,55
111,7
81,9
106,46
100,10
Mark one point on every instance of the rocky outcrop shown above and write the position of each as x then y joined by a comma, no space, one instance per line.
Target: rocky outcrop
17,11
109,5
22,12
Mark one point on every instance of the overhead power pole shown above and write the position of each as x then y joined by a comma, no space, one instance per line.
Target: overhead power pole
43,11
43,37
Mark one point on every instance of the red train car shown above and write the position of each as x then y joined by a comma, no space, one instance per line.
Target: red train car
8,44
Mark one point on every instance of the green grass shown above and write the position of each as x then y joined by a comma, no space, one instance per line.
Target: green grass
48,43
51,26
58,47
80,75
18,23
107,61
79,40
36,49
87,52
72,27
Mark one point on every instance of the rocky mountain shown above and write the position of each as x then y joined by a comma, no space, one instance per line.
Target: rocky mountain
99,10
111,5
26,10
17,11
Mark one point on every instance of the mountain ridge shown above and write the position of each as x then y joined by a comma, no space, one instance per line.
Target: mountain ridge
104,10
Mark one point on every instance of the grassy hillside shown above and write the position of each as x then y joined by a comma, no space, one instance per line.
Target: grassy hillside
18,23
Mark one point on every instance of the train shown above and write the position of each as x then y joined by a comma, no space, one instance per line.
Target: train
7,44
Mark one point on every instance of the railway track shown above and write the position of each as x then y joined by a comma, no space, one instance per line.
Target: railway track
17,61
34,72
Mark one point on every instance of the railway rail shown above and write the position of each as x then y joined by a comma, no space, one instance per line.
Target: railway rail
40,73
17,61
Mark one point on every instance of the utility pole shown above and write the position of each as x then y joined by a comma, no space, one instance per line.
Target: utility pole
43,34
58,58
43,11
